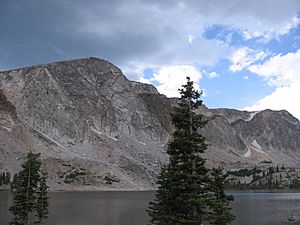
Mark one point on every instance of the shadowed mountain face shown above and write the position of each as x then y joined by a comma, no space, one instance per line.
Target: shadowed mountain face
96,129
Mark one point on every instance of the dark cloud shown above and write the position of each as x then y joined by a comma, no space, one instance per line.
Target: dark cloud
125,31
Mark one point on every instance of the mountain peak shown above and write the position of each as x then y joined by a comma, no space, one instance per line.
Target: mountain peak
82,62
85,115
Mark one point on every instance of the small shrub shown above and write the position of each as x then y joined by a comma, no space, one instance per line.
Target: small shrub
109,179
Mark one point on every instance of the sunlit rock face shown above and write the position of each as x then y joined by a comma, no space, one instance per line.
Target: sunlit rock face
95,129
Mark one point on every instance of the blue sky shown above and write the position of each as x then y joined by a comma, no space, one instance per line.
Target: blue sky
242,54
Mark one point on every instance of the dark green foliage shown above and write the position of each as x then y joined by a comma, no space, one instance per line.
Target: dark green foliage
4,178
1,179
14,181
244,172
73,176
184,193
25,190
42,203
295,183
109,179
271,170
277,177
221,214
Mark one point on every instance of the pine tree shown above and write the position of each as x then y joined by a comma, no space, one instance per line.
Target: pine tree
221,212
26,188
42,203
161,209
183,195
1,179
4,178
14,181
7,178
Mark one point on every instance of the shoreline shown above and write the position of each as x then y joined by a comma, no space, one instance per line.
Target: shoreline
154,190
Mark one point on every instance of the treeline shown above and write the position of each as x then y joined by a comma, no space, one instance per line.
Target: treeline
4,178
30,196
279,177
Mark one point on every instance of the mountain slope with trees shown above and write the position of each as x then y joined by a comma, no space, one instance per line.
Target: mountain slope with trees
95,129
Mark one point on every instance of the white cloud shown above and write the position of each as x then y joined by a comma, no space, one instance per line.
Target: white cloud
283,73
173,34
246,77
280,69
135,70
190,38
282,98
171,78
144,80
244,57
249,35
288,26
120,31
212,75
273,32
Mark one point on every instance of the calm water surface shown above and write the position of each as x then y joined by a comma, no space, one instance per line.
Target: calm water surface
128,208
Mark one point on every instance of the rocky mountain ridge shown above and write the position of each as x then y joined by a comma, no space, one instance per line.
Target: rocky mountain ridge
97,130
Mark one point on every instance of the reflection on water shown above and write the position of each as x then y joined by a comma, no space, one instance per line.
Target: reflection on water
265,208
128,208
105,208
89,208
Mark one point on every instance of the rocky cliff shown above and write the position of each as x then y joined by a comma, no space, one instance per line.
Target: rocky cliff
96,129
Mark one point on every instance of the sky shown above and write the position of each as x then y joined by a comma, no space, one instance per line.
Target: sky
243,54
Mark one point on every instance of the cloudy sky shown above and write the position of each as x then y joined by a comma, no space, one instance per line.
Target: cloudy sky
243,54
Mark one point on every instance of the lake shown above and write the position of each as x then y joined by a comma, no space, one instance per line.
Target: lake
128,208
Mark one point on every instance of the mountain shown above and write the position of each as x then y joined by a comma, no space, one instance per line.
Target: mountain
95,129
255,138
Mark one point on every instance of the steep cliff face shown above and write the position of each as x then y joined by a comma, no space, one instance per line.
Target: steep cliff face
96,129
84,114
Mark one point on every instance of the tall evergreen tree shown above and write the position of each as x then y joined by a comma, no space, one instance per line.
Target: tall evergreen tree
7,178
25,190
4,178
1,179
14,181
220,210
183,195
187,193
42,203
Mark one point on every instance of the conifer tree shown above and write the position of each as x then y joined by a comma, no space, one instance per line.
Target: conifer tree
7,178
187,193
14,181
42,203
1,179
221,212
4,178
26,188
183,195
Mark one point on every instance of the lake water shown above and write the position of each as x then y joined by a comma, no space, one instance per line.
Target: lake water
128,208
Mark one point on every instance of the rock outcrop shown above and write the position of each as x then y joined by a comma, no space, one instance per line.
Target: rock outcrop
95,129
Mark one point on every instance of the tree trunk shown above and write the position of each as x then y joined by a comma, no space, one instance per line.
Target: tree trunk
27,193
193,163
